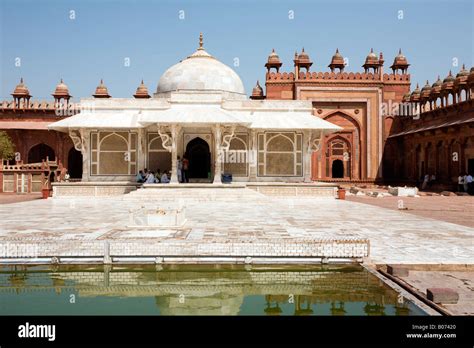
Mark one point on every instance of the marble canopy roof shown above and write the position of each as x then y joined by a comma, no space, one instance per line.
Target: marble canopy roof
128,114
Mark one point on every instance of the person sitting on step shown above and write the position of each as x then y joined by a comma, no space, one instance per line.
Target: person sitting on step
158,176
150,178
165,178
140,178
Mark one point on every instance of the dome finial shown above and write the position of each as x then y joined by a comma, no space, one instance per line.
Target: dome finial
142,92
257,92
200,42
101,91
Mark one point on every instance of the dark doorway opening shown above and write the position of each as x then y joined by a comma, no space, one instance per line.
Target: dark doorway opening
470,166
74,164
40,152
337,169
199,158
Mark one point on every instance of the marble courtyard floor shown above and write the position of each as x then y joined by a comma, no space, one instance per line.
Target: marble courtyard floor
395,236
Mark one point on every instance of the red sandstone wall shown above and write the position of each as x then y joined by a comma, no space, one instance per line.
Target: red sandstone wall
24,140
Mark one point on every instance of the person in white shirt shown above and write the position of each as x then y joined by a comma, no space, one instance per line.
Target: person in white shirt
470,185
425,182
461,183
165,179
150,179
465,182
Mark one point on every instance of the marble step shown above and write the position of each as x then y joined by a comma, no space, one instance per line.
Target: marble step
194,194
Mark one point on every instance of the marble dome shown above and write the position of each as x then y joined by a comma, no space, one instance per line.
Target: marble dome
200,72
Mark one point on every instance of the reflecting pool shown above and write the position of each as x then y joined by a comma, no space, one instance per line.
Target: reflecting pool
197,290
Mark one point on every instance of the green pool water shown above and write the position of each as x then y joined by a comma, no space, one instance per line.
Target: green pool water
197,290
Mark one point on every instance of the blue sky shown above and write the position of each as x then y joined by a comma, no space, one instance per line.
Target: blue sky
94,45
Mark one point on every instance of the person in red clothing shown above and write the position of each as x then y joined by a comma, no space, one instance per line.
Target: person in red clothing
185,177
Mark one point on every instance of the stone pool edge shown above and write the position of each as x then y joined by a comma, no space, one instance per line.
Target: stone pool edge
151,251
372,269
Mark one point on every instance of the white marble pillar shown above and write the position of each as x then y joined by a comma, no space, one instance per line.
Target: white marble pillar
142,149
313,141
217,156
174,153
307,136
253,156
169,141
86,153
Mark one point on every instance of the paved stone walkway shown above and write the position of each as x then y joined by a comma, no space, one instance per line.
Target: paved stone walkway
461,282
7,198
395,237
455,209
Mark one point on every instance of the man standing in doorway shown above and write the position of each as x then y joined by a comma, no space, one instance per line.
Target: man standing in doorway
461,183
185,168
465,183
470,184
180,170
425,182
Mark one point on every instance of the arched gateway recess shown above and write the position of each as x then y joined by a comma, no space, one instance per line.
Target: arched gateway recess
199,158
337,169
74,163
40,152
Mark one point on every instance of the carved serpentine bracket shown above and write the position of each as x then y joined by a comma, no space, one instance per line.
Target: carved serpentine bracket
228,133
166,137
169,136
77,137
314,141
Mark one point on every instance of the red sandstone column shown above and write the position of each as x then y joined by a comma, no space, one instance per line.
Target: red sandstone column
29,179
448,160
1,175
314,165
462,146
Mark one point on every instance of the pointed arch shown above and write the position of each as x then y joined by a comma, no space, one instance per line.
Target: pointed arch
113,142
280,143
236,158
40,152
351,135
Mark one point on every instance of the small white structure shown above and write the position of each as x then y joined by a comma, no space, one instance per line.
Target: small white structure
403,191
200,110
159,216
